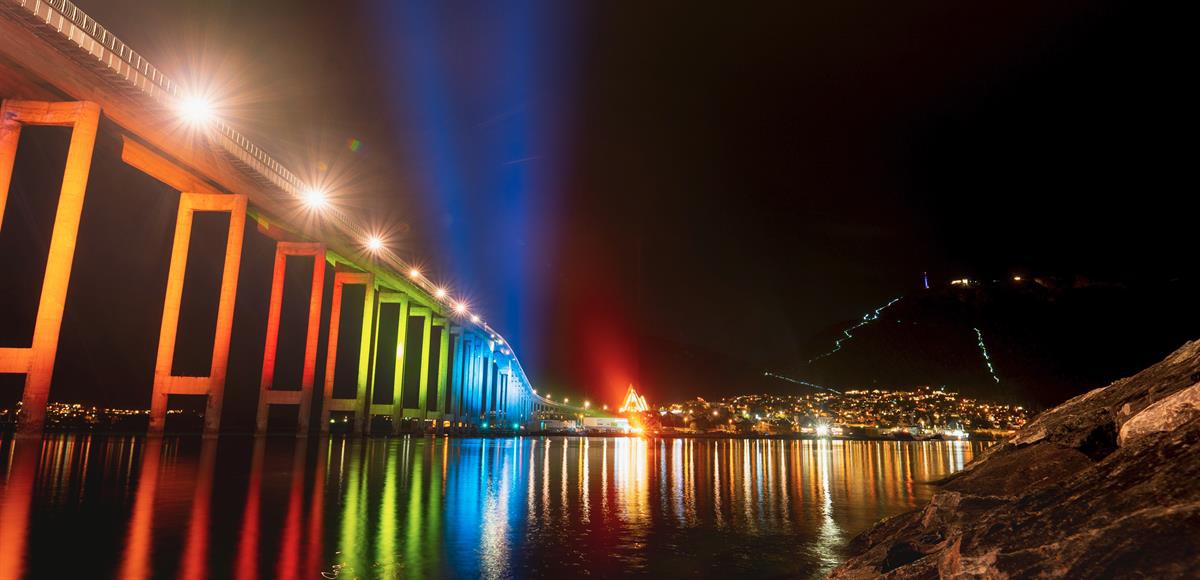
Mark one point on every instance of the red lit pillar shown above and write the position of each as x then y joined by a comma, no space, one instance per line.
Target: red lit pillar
303,397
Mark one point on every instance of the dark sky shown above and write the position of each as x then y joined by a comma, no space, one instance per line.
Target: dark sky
605,180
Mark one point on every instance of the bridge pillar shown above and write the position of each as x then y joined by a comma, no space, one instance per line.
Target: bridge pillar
359,404
37,361
454,370
426,315
442,369
303,397
396,408
468,379
213,385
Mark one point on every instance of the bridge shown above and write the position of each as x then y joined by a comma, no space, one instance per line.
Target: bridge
417,354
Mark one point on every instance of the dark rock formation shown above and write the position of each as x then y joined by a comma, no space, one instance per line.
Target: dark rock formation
1104,485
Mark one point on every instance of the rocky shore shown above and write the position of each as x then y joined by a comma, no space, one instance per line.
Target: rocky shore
1104,485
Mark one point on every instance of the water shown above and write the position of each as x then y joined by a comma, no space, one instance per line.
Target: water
132,507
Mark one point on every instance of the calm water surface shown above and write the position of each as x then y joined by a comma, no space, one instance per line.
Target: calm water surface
132,507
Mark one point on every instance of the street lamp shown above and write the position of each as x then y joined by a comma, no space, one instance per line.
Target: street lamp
196,111
315,198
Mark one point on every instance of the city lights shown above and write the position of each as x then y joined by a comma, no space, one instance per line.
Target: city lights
414,273
475,318
374,243
587,405
440,292
460,308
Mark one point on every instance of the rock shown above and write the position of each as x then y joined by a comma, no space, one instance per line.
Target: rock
1164,415
1103,485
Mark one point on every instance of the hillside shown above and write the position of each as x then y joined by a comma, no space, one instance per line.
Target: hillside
1046,340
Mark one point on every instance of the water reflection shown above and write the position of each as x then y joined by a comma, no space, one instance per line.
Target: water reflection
496,508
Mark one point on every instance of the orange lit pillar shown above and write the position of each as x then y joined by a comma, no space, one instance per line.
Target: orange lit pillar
37,361
303,397
359,403
213,385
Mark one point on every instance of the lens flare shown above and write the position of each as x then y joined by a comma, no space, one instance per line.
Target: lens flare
196,111
315,198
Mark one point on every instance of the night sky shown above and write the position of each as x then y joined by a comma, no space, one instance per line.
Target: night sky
607,182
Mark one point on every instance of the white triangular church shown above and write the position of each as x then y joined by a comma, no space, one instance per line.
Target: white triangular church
633,403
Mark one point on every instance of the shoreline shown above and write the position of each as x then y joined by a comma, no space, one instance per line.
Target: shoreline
8,433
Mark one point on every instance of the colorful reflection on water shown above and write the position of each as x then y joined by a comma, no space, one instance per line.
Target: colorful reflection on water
497,508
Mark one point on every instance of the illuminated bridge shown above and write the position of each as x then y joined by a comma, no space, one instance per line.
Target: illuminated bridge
396,344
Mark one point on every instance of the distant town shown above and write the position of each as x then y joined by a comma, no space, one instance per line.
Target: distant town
919,414
924,413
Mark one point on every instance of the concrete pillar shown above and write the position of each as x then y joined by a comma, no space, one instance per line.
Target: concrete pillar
454,404
303,397
471,378
423,376
443,367
37,361
358,405
213,385
486,381
396,408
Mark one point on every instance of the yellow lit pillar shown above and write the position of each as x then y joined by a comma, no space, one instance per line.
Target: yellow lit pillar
359,405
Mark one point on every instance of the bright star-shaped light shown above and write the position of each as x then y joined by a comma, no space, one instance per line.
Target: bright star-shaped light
196,111
315,198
